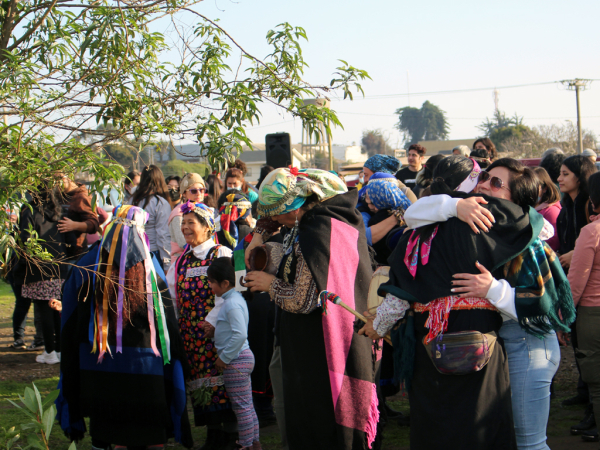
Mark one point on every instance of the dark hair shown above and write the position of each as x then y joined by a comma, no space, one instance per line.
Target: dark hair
449,173
130,176
238,164
221,269
582,167
552,163
489,145
523,184
484,163
213,189
173,177
417,148
47,201
237,173
264,171
152,182
550,193
480,153
594,188
428,169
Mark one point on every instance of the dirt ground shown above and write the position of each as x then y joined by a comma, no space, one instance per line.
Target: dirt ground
21,366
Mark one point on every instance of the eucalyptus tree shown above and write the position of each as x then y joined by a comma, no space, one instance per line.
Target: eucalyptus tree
67,66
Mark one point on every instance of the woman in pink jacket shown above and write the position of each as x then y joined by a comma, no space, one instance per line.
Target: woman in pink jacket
584,277
549,203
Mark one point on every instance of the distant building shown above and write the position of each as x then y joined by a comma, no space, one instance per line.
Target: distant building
256,157
349,153
445,147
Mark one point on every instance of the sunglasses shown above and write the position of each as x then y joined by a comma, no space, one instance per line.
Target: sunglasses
495,183
196,191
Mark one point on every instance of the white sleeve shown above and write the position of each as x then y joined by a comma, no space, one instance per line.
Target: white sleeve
224,251
432,209
502,296
391,310
212,316
171,282
547,231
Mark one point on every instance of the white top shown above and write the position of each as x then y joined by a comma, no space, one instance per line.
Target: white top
200,252
440,208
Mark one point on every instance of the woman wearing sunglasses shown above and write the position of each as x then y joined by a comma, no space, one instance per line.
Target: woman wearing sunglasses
192,188
529,289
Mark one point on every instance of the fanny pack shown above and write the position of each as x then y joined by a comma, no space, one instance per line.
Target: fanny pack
461,352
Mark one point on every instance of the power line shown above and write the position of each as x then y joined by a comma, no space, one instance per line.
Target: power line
465,118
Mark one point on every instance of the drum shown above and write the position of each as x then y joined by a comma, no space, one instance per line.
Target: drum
380,276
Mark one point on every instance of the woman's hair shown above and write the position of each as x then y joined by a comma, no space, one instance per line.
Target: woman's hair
152,182
238,164
47,201
213,189
221,269
171,178
489,145
463,150
130,176
238,174
552,162
594,188
550,193
449,173
582,167
523,184
264,171
425,177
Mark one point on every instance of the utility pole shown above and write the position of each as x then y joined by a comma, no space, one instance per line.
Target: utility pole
578,84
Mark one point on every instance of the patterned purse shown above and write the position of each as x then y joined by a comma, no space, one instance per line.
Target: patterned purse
462,352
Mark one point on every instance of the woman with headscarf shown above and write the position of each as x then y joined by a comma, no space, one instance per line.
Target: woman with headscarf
123,362
192,189
328,369
188,283
235,210
380,163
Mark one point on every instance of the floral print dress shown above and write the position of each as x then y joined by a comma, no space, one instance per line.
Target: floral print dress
196,300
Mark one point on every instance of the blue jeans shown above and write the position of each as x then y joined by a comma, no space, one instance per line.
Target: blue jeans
532,362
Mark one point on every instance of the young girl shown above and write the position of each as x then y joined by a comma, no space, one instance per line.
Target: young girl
235,357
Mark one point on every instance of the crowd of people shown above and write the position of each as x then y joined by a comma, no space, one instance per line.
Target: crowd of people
165,300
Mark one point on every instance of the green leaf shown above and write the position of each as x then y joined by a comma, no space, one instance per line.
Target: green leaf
29,400
48,420
38,399
73,446
34,441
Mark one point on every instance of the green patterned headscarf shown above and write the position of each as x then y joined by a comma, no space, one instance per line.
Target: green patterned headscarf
285,190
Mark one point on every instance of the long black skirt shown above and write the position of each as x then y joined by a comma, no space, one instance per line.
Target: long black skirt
309,415
461,412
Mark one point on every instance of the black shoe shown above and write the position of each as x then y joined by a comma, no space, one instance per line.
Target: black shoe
392,414
577,400
590,435
18,345
36,346
586,424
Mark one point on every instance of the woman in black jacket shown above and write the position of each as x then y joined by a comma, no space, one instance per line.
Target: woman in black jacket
42,279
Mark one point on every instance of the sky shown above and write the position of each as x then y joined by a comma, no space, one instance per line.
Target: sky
433,46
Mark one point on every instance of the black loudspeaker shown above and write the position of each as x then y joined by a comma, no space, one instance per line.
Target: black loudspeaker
278,149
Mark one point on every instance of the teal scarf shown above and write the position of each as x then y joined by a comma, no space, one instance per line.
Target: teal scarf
543,298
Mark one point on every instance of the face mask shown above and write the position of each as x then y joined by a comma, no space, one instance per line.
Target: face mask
237,188
361,180
174,194
132,190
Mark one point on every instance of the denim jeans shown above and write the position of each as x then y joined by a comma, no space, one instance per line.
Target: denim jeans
532,362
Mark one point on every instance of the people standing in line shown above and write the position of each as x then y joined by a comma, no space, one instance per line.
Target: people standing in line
548,204
584,277
425,176
192,188
188,283
408,175
42,281
174,194
486,144
319,351
78,217
152,196
130,184
234,179
235,359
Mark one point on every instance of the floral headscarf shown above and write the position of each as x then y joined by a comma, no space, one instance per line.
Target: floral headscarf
375,176
236,206
285,190
384,193
201,210
382,163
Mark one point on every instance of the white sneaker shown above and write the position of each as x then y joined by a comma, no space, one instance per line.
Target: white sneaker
47,358
58,355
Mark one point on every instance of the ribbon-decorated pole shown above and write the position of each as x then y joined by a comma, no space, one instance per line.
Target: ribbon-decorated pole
325,296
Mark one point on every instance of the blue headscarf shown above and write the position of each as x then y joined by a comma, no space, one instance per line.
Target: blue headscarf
384,193
375,176
382,163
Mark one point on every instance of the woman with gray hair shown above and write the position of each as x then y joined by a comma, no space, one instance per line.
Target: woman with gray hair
461,150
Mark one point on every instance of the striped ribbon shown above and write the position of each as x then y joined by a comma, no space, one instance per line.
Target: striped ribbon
126,228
